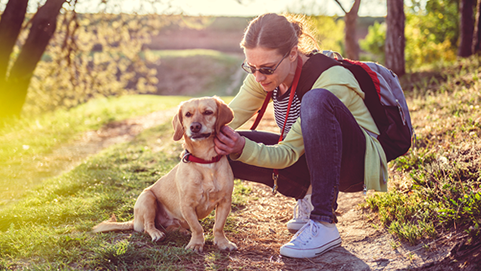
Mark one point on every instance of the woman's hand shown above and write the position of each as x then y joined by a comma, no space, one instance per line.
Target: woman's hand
228,141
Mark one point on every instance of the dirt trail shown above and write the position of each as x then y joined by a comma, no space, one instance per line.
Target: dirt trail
69,155
262,223
363,246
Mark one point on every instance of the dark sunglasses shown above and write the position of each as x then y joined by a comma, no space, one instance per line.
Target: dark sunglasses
263,70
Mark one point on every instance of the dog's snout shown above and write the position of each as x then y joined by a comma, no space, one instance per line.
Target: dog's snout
195,127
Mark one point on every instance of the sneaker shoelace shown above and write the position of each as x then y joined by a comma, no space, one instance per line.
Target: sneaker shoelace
301,210
306,233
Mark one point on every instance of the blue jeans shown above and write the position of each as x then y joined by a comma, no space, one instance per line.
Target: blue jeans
335,147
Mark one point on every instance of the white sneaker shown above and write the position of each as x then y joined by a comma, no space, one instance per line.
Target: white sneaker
301,214
312,240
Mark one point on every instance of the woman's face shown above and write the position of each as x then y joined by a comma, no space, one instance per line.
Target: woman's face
260,57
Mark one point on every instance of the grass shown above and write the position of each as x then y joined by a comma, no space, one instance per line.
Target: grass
49,228
196,72
26,144
436,187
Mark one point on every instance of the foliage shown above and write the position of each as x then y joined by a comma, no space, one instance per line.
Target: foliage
330,32
374,42
424,47
436,187
440,19
92,55
431,32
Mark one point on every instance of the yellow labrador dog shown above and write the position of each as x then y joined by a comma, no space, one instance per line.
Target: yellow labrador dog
201,182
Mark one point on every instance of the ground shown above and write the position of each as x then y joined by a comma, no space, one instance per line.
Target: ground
365,244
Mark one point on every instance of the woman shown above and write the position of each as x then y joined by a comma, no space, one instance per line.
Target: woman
328,143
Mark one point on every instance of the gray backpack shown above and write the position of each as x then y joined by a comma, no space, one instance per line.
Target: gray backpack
384,97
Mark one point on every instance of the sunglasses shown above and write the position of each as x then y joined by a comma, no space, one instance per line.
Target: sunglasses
263,70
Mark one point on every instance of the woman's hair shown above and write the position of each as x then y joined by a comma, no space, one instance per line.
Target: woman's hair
280,32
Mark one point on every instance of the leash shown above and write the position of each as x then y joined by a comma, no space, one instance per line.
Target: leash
275,174
188,157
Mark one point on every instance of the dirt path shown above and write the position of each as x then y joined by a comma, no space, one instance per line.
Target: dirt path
363,246
92,142
69,155
262,228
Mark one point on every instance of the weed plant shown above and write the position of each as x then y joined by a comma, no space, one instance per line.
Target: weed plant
436,188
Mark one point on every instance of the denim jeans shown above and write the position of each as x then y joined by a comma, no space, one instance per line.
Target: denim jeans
335,150
333,161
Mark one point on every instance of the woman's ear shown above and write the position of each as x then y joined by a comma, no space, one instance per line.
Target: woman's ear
177,124
293,54
224,114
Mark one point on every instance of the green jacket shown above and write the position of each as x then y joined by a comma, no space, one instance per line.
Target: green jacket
340,82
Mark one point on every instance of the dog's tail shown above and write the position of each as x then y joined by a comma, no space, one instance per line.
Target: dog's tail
113,225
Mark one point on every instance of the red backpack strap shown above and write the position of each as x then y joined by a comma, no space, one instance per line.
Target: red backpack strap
261,111
372,75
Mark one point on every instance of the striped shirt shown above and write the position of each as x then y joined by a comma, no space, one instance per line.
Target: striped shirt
280,109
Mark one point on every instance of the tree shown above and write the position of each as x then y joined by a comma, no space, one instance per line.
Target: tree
476,47
14,82
466,28
395,40
85,55
350,40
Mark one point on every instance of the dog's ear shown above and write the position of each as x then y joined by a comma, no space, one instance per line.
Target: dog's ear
224,114
177,123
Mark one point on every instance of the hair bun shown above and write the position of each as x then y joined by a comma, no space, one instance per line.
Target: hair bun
297,28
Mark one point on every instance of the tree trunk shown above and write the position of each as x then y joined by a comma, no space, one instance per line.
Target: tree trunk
395,40
350,20
14,91
350,39
466,28
10,25
476,46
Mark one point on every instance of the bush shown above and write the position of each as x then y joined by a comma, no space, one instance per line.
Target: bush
424,47
431,33
92,55
374,42
330,32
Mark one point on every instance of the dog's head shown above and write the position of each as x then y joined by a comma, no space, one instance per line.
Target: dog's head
201,118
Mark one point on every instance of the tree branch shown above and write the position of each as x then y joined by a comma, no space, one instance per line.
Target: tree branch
341,6
355,7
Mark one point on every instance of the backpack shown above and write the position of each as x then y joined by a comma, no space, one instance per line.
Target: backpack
384,97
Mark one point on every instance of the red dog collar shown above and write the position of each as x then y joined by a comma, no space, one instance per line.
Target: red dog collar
188,157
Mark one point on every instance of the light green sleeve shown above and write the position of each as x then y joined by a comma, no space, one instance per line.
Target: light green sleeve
247,102
278,156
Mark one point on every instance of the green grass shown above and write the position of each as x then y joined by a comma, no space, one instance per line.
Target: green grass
26,143
49,228
436,188
196,72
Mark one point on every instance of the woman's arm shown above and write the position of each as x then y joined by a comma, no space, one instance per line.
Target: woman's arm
247,102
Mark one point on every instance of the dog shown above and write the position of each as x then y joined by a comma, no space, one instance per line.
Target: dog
201,182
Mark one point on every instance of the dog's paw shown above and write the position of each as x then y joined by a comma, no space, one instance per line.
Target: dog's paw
197,247
157,235
225,244
184,231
